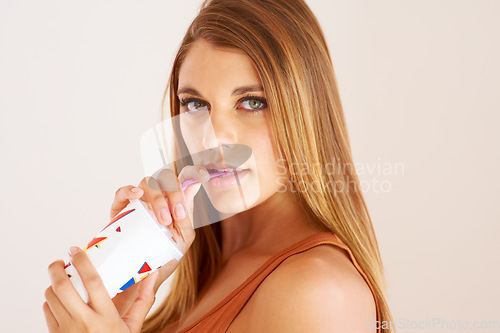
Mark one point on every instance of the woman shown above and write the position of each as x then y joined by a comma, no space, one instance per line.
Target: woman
270,267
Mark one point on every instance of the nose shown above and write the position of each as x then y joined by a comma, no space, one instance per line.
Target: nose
221,130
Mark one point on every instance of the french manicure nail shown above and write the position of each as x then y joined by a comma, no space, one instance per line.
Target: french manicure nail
155,275
165,215
73,250
179,211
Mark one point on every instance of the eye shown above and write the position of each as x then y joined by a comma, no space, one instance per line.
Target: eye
254,103
193,104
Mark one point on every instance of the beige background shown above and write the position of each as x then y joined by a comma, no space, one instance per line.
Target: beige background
80,82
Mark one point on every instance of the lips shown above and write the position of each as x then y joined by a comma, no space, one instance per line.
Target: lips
228,179
214,167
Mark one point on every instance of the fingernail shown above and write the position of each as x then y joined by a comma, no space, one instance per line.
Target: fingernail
203,172
155,275
165,215
135,189
73,250
179,211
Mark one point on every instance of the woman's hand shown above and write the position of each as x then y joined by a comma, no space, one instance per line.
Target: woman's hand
159,193
65,311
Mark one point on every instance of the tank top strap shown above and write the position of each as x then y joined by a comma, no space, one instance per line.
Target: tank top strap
225,312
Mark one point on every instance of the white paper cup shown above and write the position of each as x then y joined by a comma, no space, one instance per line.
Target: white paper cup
128,249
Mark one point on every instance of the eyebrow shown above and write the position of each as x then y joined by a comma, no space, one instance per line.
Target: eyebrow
236,92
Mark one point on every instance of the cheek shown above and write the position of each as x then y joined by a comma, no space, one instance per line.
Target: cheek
267,166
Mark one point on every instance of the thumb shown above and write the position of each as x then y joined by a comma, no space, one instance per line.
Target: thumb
190,192
164,272
138,310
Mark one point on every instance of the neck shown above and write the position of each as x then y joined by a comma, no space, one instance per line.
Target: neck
261,228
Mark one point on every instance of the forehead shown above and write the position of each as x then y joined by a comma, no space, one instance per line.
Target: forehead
206,65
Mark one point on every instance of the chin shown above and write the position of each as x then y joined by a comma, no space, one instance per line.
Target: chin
231,200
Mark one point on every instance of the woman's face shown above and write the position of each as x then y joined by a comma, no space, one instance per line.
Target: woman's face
222,102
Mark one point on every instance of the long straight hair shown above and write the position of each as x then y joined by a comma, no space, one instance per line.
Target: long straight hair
287,46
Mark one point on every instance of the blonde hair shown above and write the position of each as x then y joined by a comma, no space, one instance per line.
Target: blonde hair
288,48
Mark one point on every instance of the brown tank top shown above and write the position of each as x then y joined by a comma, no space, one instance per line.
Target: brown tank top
221,316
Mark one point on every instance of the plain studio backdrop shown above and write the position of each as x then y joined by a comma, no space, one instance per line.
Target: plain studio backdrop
80,82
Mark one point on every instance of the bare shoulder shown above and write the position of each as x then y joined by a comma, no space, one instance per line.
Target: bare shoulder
318,290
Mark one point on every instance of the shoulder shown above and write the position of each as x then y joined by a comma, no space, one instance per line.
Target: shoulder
316,290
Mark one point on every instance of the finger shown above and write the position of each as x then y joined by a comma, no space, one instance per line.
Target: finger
57,309
99,298
170,185
66,293
164,272
122,196
157,200
196,172
123,300
137,312
51,321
